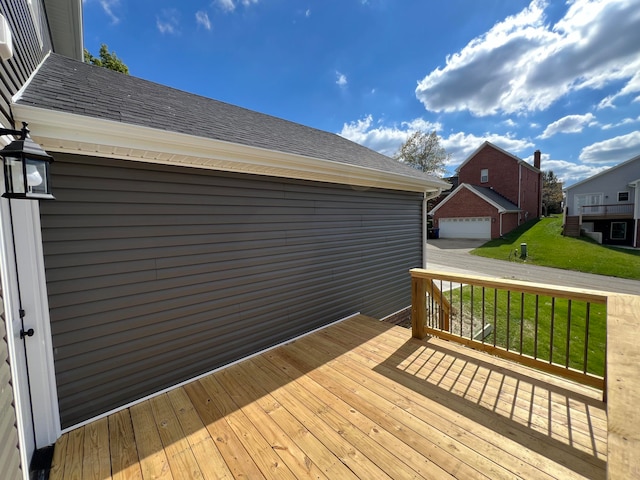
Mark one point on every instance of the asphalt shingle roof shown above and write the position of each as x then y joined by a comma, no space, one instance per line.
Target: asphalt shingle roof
495,197
66,85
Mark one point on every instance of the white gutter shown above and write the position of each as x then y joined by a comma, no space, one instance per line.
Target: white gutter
77,134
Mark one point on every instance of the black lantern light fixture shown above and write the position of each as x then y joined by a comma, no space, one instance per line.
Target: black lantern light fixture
26,167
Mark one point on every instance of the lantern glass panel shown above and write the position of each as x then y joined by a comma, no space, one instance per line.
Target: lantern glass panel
14,175
37,178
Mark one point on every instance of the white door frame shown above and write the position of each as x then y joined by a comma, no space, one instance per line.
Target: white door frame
33,292
17,359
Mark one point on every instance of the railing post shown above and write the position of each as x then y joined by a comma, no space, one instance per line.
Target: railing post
418,307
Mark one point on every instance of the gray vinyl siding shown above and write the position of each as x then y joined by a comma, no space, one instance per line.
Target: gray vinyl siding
27,52
158,274
9,453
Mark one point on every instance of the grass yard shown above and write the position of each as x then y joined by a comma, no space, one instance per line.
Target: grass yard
547,247
514,319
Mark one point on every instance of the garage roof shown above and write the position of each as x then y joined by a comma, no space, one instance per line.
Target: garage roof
70,88
488,194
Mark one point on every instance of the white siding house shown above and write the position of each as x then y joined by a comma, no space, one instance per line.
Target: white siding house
607,205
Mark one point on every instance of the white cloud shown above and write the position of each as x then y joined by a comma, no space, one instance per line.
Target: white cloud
568,124
613,150
385,140
568,172
633,86
460,145
168,21
341,79
108,6
202,18
307,13
226,5
624,121
524,64
230,5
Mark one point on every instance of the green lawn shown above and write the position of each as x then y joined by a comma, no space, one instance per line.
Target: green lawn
546,246
514,319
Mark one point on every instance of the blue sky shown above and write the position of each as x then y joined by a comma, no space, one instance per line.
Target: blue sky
561,77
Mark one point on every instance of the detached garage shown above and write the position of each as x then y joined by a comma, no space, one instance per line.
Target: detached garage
188,233
465,227
474,212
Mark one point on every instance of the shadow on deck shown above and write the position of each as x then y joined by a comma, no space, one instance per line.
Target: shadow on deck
360,399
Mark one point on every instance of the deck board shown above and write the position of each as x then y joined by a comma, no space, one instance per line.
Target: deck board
360,399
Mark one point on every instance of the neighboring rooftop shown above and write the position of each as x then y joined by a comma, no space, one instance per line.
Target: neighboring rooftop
486,143
495,197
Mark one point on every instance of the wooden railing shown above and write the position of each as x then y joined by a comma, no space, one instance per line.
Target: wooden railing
556,329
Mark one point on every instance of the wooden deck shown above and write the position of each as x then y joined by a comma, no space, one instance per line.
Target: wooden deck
360,399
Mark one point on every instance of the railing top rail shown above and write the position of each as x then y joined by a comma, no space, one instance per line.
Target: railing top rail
596,205
586,295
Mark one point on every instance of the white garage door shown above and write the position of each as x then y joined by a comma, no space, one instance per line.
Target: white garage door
465,227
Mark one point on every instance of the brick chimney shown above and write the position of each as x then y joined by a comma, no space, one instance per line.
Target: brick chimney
536,159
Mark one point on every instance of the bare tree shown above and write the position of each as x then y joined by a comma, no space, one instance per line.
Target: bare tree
423,151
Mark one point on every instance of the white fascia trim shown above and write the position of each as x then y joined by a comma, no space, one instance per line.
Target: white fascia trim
69,133
475,192
435,209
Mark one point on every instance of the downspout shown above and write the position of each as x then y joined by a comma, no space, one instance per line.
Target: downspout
519,193
501,213
425,199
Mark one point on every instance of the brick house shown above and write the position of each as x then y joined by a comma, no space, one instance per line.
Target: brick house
496,192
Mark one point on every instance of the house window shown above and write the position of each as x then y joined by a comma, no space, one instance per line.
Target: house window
623,196
618,230
484,175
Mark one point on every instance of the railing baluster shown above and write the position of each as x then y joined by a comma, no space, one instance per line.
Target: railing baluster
553,312
586,338
440,318
566,361
521,319
483,305
508,318
535,333
472,309
430,305
450,325
495,315
461,313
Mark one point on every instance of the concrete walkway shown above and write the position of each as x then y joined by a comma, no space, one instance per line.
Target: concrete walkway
453,256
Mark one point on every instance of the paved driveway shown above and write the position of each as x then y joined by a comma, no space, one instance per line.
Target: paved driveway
453,255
